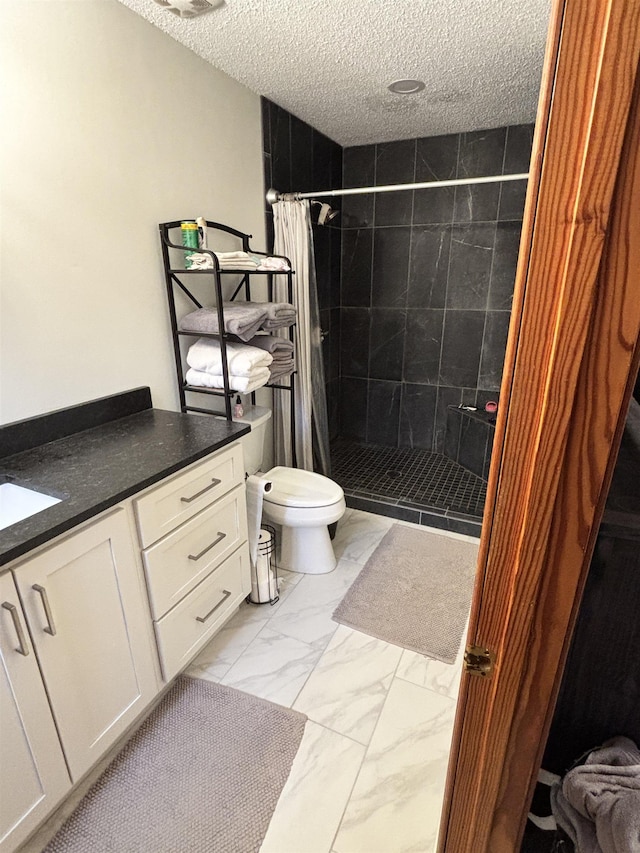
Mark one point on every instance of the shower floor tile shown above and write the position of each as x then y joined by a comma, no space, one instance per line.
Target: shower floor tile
417,479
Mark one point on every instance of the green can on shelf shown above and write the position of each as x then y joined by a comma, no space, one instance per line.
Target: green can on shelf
189,238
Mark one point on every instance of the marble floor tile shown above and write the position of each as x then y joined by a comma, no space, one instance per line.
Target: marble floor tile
306,613
357,539
396,801
218,656
349,685
274,667
440,677
249,612
290,578
313,799
369,774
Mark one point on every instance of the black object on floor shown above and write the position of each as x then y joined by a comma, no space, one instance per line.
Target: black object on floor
538,841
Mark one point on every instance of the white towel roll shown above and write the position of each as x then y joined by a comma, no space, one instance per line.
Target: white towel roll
256,487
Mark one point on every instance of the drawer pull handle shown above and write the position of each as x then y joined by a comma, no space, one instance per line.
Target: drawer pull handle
218,538
23,648
51,628
215,482
211,612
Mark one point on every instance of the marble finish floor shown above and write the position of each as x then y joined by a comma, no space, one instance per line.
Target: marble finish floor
370,771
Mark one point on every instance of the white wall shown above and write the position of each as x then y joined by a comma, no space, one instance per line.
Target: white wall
108,128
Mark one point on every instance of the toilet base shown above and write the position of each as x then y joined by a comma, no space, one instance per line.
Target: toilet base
307,550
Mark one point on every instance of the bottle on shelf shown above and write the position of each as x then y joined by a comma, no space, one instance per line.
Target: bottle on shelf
189,238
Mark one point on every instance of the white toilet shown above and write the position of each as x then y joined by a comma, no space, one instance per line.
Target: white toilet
302,502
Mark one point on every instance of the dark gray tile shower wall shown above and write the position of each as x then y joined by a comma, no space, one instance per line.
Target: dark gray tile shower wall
427,282
297,158
415,287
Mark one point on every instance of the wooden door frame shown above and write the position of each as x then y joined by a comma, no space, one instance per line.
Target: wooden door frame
571,353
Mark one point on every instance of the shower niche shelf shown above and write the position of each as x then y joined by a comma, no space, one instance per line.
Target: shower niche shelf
206,288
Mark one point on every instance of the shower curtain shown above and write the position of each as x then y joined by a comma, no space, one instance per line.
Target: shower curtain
294,238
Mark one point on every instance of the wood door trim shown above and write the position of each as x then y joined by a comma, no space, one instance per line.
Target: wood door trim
604,389
587,103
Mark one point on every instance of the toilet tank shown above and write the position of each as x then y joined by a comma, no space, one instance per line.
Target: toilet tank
253,444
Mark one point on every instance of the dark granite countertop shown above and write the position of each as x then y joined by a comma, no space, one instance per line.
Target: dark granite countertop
98,467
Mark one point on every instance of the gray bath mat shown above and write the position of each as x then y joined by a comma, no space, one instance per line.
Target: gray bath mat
414,591
202,775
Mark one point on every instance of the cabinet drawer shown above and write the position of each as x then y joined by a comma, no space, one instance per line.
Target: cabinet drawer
161,510
176,564
186,628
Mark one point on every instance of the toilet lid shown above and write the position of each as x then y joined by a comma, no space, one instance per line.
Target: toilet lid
295,487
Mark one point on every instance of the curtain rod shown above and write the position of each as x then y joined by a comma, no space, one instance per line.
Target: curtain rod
274,195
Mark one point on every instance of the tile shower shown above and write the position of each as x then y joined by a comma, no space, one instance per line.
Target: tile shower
415,313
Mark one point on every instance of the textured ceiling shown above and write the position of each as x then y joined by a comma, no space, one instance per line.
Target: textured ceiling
330,61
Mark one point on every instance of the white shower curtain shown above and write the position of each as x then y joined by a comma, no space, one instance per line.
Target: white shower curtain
294,238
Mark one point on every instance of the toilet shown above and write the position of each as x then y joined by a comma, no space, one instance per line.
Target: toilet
301,502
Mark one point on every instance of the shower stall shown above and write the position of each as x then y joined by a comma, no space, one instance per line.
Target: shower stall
415,289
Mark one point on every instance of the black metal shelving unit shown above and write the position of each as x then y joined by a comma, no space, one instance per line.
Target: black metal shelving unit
176,276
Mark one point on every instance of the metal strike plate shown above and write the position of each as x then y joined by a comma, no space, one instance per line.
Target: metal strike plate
479,661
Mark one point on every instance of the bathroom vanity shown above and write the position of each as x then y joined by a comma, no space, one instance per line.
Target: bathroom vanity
108,594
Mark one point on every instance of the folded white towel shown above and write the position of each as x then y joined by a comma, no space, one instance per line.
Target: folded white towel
242,360
241,384
276,264
200,261
226,260
236,260
233,256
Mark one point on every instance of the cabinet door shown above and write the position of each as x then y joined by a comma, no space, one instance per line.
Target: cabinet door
33,776
89,624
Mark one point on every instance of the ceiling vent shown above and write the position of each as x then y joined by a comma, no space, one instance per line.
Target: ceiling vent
189,8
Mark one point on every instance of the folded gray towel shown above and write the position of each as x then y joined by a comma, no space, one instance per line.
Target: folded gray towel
275,311
240,318
279,315
598,803
278,347
279,369
278,309
243,319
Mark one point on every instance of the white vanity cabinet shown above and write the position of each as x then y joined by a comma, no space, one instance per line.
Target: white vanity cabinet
86,621
193,529
33,773
88,618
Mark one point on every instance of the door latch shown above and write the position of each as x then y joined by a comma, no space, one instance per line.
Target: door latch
479,661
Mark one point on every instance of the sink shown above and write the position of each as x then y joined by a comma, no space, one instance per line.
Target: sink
18,502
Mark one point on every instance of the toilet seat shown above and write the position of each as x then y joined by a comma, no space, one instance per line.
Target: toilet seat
293,487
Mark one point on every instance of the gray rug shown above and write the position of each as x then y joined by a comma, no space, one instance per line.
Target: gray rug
202,775
414,591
